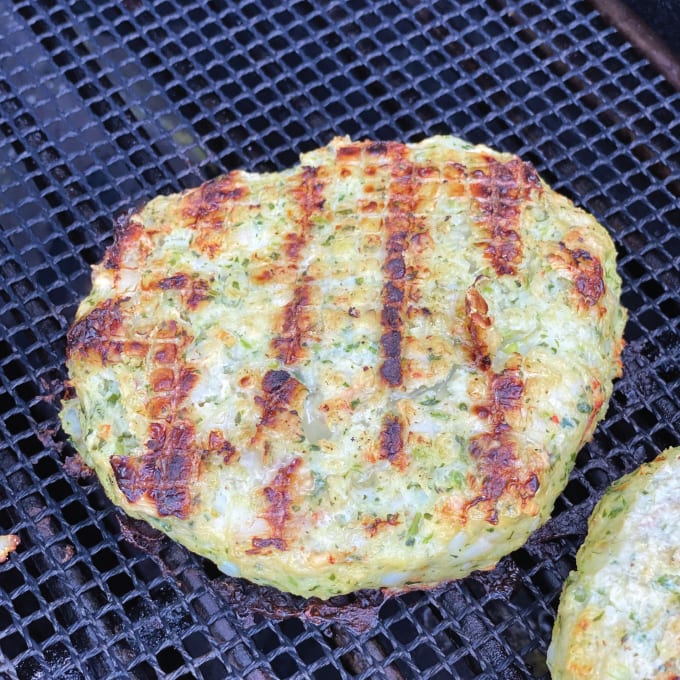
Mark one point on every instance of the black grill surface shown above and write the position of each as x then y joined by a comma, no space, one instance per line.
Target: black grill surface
105,104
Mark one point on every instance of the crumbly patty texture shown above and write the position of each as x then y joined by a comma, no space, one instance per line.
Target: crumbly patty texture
619,614
371,370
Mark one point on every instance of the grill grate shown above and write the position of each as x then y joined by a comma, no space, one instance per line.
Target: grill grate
105,104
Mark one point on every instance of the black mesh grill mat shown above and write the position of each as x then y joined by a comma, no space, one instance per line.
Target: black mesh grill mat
105,104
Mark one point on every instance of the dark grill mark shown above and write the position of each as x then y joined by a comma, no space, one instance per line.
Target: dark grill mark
498,192
277,514
495,450
400,224
296,320
392,442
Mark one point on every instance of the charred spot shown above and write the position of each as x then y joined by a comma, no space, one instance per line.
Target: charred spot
156,440
390,317
396,242
392,293
99,331
391,444
506,390
531,486
391,343
125,474
377,148
168,330
426,171
391,371
274,381
221,446
163,474
279,388
395,268
589,280
136,348
391,439
176,282
288,345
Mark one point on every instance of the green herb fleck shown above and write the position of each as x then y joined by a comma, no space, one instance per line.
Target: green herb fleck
430,401
583,407
354,403
413,529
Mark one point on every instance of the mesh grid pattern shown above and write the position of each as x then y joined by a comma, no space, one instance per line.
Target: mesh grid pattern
104,105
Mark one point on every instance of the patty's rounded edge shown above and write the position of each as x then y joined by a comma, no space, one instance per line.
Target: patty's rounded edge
441,332
619,612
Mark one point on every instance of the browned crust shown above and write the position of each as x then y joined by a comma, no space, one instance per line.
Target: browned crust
498,191
207,206
277,514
